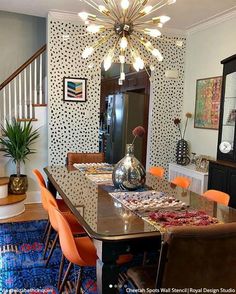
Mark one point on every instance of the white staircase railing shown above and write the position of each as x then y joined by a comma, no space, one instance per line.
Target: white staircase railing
24,89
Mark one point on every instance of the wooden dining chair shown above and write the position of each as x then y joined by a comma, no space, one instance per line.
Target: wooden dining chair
191,258
182,182
157,171
73,157
217,196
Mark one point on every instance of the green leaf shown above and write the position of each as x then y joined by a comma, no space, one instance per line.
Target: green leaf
17,140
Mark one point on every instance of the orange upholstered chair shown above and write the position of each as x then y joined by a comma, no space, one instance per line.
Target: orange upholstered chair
218,196
182,182
157,171
71,219
77,250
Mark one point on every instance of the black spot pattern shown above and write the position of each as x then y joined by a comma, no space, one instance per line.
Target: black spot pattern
70,129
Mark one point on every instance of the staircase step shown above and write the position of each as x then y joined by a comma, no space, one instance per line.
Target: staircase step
39,105
26,119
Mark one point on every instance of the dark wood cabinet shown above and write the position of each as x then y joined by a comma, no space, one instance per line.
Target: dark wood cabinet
222,177
222,172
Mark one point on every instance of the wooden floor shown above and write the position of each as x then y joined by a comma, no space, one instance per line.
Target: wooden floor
32,212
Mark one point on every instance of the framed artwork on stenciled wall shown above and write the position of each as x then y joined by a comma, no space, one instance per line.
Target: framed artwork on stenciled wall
74,89
207,104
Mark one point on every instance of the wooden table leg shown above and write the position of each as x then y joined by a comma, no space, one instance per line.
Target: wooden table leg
108,252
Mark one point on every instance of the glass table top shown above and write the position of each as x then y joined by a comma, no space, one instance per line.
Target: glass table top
104,217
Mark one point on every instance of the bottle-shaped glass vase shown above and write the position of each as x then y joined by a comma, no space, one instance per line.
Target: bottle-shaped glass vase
128,173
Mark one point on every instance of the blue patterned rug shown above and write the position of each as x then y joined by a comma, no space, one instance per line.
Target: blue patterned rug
22,269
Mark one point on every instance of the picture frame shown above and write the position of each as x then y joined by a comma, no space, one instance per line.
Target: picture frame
207,103
202,163
74,89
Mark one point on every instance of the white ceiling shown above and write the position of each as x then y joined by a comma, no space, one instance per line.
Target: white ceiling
185,14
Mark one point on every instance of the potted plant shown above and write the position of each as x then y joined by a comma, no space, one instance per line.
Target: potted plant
16,143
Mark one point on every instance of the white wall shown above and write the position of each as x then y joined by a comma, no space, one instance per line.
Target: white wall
74,126
20,37
205,50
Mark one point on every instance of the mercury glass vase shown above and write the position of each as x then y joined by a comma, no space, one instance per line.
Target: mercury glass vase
129,173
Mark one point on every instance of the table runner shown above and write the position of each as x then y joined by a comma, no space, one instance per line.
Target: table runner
161,210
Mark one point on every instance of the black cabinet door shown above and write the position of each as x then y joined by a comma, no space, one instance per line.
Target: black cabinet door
232,187
217,177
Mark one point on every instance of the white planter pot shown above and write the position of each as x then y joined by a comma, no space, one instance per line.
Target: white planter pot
3,191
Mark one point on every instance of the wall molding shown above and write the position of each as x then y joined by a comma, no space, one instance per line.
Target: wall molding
211,22
68,16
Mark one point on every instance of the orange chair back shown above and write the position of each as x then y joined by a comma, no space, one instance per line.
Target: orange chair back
218,196
157,171
181,182
42,186
39,177
51,202
73,253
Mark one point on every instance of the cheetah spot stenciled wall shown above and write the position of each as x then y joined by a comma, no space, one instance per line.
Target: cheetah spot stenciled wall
74,126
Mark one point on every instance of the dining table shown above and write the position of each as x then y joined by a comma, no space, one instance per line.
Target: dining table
114,228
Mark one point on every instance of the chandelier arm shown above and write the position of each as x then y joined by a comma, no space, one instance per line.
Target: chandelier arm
139,52
104,21
135,12
102,40
152,11
92,5
140,40
131,8
119,13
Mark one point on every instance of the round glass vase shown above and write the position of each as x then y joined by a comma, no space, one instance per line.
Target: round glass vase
129,173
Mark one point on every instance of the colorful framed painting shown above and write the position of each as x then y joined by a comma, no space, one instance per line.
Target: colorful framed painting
207,105
75,89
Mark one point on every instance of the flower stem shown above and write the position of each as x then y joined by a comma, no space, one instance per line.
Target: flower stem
186,122
180,131
134,140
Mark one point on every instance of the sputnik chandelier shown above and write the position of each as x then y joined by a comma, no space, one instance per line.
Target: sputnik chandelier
127,23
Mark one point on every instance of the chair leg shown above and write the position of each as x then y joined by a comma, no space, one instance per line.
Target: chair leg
65,278
60,270
46,230
52,249
78,283
47,241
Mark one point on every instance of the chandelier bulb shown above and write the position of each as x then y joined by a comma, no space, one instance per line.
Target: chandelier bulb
164,18
94,28
83,15
146,10
139,62
152,32
123,43
122,76
103,9
107,61
122,59
124,4
136,67
169,2
87,52
152,67
157,54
